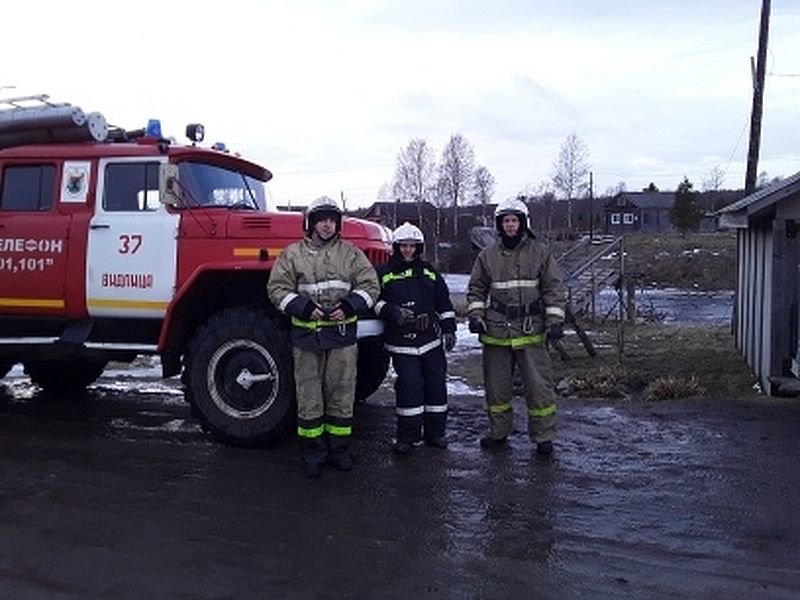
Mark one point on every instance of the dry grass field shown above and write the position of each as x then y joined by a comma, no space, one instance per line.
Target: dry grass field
657,362
651,361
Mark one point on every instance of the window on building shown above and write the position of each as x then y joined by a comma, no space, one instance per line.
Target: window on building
29,187
615,218
627,218
131,187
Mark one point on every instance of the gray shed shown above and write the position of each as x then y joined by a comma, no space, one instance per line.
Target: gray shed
766,305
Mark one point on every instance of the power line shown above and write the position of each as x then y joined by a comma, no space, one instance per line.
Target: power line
735,148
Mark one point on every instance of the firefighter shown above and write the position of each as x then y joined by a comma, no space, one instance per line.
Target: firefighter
515,302
420,326
323,283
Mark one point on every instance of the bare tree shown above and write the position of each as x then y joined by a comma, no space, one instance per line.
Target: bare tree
613,190
455,173
545,196
385,193
713,180
413,176
712,183
571,171
483,189
439,197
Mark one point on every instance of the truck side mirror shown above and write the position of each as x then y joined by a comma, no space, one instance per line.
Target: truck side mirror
168,188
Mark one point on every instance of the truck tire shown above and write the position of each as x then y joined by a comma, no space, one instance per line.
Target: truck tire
64,377
373,363
238,378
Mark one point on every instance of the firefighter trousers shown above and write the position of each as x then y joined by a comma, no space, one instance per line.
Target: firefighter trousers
325,385
536,370
421,395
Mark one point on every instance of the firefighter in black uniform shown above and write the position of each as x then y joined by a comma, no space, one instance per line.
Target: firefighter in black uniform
420,325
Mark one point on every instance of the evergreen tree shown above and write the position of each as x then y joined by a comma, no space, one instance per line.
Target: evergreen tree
685,215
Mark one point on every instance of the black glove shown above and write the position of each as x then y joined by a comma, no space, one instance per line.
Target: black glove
347,308
449,340
308,308
555,332
405,316
477,324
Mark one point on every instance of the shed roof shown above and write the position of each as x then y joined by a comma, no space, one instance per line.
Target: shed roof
737,215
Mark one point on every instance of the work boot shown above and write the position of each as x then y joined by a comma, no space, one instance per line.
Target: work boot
402,448
313,456
544,448
490,443
436,441
341,460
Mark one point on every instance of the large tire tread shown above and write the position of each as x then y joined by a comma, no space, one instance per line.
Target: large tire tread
267,429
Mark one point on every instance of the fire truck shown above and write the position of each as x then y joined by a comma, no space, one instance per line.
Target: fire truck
117,243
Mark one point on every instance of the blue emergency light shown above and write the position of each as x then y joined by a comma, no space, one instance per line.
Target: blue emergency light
153,128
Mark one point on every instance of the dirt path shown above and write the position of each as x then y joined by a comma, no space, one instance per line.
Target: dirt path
120,495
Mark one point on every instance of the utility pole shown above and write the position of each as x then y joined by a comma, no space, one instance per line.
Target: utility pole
591,207
758,74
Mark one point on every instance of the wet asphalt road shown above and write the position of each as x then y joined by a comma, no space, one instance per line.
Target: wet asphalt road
120,495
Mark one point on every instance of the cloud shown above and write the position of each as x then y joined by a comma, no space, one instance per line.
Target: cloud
326,93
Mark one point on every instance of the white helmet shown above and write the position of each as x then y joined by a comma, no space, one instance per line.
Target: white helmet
512,206
323,205
408,233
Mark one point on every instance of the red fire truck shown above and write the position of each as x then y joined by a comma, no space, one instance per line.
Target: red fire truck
118,243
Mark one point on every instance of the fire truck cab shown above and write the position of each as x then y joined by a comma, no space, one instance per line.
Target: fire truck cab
117,243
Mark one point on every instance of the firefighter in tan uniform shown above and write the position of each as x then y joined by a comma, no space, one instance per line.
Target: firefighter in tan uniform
323,283
515,301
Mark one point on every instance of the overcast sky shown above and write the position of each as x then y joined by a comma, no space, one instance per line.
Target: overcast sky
326,93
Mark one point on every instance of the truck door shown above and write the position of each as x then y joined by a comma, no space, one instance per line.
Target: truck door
132,251
33,241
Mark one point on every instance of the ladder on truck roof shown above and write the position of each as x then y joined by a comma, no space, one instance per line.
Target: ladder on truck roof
36,120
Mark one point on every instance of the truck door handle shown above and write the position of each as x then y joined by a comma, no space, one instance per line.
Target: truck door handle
99,226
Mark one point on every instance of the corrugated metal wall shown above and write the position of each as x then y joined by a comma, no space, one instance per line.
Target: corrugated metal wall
754,299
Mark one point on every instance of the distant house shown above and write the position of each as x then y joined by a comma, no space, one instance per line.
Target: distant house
435,223
766,323
630,212
649,212
394,214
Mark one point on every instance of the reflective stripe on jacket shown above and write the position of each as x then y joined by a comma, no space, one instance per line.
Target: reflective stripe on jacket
518,292
331,274
417,286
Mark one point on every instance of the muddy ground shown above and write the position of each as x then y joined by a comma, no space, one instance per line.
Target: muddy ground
119,494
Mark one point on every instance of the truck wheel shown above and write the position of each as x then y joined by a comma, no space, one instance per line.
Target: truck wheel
373,363
239,378
64,377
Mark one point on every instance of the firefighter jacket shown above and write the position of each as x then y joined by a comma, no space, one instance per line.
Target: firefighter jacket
517,292
307,275
417,286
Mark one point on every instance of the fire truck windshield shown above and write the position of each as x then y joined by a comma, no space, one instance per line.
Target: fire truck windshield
209,186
